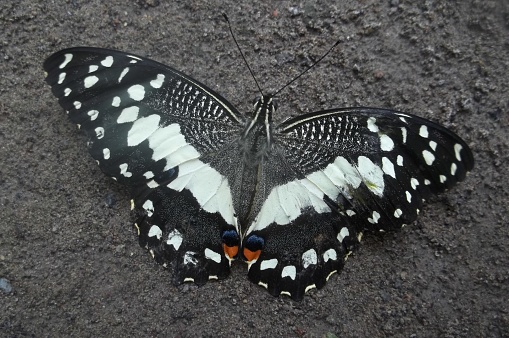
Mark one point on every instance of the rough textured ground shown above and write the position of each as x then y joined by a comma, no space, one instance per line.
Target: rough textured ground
67,246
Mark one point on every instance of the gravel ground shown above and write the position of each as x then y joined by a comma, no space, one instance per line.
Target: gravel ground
70,264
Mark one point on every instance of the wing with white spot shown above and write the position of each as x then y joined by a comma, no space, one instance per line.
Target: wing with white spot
377,165
125,103
158,131
346,171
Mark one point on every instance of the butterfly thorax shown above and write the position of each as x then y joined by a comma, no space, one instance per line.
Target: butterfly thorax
256,138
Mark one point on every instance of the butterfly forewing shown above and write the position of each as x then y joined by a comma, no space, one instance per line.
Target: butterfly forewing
383,162
156,130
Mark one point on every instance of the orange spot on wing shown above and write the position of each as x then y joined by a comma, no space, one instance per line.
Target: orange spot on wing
231,251
251,255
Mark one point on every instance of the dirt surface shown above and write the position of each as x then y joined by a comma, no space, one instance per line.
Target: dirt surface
69,257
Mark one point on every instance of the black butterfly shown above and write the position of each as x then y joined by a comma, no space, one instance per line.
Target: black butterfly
210,185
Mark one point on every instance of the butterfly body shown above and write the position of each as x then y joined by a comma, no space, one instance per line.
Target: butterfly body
210,185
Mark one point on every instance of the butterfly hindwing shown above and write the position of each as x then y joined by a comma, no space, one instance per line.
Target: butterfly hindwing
177,231
156,130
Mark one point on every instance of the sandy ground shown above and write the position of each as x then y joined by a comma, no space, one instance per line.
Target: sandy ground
69,257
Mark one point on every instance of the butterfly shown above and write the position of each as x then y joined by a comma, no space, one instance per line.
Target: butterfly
210,185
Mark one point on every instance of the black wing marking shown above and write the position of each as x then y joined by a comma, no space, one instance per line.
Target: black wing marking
358,169
157,130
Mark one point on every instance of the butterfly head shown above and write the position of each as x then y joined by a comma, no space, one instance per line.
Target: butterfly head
264,107
260,122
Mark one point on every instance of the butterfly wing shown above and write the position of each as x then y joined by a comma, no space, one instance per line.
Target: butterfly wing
353,170
158,131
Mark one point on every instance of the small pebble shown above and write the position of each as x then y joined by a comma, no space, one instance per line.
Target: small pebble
5,286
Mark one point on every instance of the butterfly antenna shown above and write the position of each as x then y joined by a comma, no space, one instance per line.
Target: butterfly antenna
242,54
304,72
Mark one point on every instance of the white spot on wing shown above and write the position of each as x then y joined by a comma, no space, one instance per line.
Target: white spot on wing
129,114
408,196
67,91
99,132
399,160
289,271
309,258
433,145
414,183
374,218
268,264
404,134
93,114
371,125
388,167
386,143
68,58
148,175
158,82
77,104
457,150
175,239
398,213
265,285
442,179
350,213
90,81
155,231
423,131
61,78
148,206
116,101
134,57
429,158
136,92
331,273
454,167
309,287
123,170
189,258
152,184
212,255
106,153
343,233
108,61
124,72
330,254
92,68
